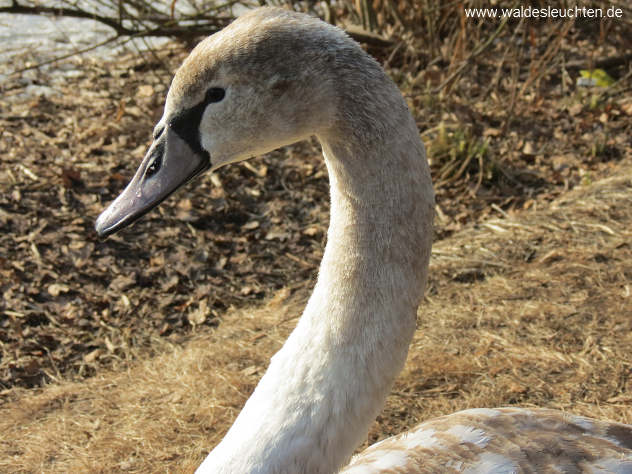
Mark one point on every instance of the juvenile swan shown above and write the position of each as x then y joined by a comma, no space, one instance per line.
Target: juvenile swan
273,78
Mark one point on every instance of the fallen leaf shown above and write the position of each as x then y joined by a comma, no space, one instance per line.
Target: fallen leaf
56,289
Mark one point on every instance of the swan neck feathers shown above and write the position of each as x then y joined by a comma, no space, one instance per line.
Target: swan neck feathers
328,382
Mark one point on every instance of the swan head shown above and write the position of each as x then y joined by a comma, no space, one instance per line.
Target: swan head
263,82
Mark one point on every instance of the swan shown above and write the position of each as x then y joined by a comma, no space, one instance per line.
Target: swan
275,77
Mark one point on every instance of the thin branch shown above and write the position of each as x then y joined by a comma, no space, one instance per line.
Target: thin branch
167,26
69,55
163,30
16,8
479,49
605,63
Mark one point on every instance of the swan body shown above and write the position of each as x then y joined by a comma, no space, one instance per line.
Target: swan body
270,79
502,440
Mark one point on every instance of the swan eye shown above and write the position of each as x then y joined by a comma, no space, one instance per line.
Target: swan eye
214,94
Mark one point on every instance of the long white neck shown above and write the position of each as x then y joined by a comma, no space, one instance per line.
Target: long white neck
328,382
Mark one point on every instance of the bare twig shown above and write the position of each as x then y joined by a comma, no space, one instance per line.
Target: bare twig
71,54
16,8
604,63
166,26
538,69
480,48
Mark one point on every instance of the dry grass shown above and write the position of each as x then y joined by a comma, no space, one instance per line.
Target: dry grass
530,310
146,418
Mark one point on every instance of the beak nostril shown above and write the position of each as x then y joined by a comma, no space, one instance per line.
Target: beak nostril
154,166
158,132
156,159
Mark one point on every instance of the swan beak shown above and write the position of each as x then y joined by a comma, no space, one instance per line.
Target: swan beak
169,164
